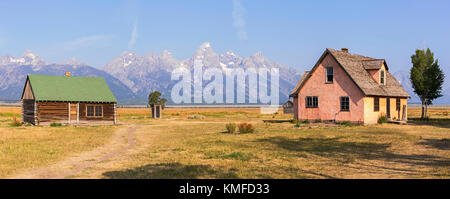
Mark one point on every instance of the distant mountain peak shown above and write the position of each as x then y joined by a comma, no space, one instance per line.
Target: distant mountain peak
27,58
29,54
74,62
205,45
166,53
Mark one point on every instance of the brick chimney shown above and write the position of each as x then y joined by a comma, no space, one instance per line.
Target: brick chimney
67,74
345,50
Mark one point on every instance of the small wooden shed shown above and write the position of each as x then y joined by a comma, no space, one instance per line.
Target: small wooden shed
288,107
66,99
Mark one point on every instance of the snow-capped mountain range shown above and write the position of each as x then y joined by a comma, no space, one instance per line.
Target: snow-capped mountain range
143,74
132,76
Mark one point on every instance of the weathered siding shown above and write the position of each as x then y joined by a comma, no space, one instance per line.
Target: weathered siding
27,92
329,95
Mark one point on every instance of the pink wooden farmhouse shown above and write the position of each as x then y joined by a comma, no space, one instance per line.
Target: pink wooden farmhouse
349,87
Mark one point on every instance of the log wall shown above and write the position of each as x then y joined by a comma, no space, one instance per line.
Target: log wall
52,111
59,112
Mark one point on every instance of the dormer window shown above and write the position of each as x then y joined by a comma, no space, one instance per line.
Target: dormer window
329,75
382,77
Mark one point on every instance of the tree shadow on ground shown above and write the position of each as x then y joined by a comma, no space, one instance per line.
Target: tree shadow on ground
170,170
346,152
441,122
442,144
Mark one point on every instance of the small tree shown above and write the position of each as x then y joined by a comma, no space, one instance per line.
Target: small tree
155,98
426,78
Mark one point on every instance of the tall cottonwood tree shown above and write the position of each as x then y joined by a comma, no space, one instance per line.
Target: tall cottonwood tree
155,98
426,78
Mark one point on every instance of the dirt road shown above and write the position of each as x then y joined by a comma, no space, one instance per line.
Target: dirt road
122,141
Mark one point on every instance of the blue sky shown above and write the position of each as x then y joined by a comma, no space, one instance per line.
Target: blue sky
291,32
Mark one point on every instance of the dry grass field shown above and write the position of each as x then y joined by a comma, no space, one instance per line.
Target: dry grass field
178,147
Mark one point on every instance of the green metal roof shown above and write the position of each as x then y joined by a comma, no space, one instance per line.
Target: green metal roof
70,89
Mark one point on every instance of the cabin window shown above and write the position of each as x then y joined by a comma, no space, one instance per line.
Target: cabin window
312,102
382,77
98,111
397,104
329,75
90,111
94,111
345,103
376,104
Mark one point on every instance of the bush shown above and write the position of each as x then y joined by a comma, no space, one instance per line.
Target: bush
15,122
345,123
231,127
319,121
196,116
298,125
55,124
246,128
305,122
382,119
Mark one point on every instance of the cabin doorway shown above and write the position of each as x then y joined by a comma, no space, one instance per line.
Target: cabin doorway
388,107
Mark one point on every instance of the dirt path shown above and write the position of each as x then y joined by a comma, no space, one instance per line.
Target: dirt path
122,141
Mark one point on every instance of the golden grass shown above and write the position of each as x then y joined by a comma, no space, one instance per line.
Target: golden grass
178,147
28,147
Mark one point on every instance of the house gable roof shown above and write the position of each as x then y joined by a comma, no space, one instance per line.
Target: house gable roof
70,89
356,67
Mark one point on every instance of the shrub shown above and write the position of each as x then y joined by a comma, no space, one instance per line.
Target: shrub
345,123
319,121
298,125
382,119
246,128
231,127
55,124
196,116
15,122
305,122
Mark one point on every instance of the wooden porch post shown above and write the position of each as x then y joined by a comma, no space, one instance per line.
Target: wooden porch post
115,113
36,120
78,113
69,112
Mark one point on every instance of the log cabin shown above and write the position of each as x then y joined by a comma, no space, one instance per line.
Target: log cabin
68,100
349,87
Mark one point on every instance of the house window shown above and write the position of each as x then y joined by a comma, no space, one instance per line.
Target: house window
345,103
312,102
329,77
382,77
376,104
397,104
94,111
